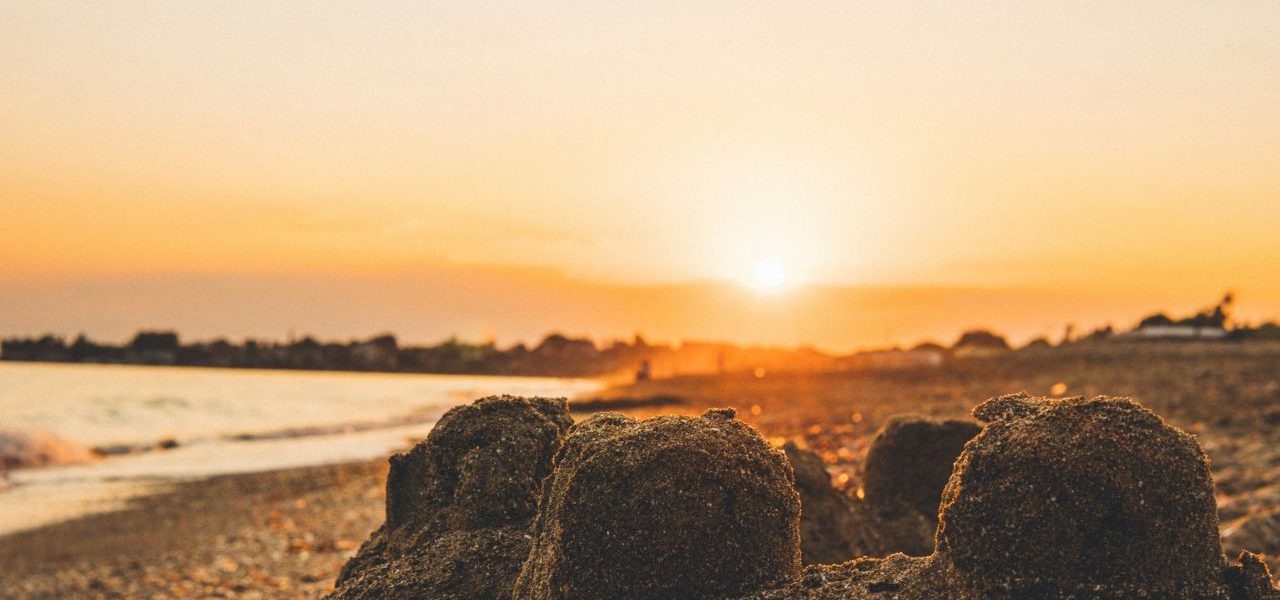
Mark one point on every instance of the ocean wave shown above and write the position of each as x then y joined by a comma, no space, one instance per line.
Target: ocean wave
34,447
417,417
27,448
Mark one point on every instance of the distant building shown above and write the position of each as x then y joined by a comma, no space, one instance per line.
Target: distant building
1177,332
154,348
1207,324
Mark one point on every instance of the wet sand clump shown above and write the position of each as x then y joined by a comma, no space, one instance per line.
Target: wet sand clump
459,504
668,507
910,460
1063,499
1081,495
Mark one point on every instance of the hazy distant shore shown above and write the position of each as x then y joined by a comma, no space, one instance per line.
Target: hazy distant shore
555,356
558,355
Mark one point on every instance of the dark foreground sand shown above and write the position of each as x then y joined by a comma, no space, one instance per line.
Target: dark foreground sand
286,534
266,535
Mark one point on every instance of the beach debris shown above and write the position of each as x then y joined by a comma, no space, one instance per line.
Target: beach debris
107,450
668,507
1059,499
459,504
27,448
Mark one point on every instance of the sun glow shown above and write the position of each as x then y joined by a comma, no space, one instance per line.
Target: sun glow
769,275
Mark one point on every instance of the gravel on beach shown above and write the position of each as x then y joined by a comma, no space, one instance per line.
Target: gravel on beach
277,534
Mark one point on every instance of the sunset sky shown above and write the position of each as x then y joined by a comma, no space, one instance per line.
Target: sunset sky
844,173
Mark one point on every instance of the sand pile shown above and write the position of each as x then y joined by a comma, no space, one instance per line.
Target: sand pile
907,466
909,462
1063,499
1054,499
460,503
669,507
1081,495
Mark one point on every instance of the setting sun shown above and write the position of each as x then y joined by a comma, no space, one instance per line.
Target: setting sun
769,274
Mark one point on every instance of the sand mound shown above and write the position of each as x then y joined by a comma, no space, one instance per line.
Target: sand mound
897,577
26,448
1060,499
910,460
835,528
907,466
669,507
1081,495
460,503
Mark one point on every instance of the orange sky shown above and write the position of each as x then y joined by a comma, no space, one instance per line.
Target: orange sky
1112,159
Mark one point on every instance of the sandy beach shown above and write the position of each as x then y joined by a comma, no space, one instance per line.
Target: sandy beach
272,534
287,533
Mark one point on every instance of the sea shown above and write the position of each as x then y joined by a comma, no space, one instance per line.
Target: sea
163,425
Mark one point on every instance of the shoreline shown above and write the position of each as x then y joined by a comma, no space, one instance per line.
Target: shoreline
279,532
286,531
45,496
286,370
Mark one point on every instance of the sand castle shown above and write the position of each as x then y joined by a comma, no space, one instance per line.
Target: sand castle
910,460
907,466
1059,499
1054,499
668,507
459,505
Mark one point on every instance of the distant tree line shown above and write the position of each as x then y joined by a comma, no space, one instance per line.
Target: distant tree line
1219,316
1213,322
558,355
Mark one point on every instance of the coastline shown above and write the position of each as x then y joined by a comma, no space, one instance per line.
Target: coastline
276,533
264,534
286,533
